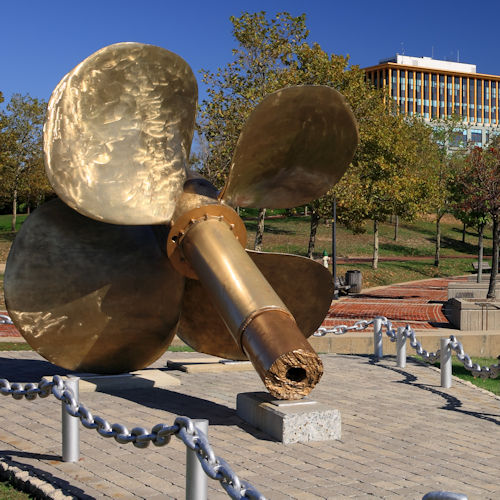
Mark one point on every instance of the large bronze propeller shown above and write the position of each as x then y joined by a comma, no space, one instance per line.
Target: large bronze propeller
152,249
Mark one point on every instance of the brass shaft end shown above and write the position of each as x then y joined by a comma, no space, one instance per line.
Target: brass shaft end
284,359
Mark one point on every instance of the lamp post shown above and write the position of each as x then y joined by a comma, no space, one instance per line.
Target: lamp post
334,249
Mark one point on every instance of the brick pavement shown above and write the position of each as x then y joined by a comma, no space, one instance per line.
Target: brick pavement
402,435
419,304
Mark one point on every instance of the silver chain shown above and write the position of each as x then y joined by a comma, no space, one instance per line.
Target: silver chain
5,320
183,428
409,333
341,329
429,357
491,371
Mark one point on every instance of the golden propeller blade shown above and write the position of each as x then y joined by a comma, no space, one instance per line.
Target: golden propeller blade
91,296
305,286
118,134
295,145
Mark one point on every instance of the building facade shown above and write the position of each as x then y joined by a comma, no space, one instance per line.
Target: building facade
437,90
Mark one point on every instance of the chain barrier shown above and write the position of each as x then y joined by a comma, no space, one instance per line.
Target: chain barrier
341,329
5,320
214,467
429,357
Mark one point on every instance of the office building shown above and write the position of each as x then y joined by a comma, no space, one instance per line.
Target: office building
437,89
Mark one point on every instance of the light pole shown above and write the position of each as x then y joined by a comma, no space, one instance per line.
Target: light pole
334,248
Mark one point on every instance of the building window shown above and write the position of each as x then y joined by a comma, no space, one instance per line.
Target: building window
458,139
476,137
464,98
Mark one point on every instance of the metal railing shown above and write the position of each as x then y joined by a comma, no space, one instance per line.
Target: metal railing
447,345
200,458
5,320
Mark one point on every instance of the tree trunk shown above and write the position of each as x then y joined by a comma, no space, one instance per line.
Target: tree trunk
494,260
464,227
305,210
396,227
14,210
438,240
480,251
312,234
260,230
375,245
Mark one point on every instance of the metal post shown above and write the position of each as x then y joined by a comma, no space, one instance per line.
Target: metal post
445,363
71,426
444,495
334,249
377,338
401,347
196,479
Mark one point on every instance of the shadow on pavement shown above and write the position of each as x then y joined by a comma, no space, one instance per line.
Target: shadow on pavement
452,402
188,406
6,457
28,370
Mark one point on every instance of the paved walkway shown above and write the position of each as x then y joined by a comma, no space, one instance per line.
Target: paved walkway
402,436
418,304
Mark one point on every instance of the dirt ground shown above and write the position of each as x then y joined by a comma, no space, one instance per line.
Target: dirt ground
4,251
2,300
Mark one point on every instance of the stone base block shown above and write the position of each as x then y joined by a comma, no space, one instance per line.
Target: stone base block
289,421
140,379
209,365
473,314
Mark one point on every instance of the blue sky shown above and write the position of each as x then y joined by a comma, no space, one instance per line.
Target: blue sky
42,40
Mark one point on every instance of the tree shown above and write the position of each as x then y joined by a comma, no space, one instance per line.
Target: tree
441,171
266,48
469,208
21,150
480,181
387,173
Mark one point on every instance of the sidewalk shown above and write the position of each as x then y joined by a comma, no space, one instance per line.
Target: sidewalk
402,435
417,303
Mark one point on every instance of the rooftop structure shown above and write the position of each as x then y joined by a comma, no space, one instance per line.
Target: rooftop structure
437,90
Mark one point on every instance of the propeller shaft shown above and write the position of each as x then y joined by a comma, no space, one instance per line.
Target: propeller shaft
252,311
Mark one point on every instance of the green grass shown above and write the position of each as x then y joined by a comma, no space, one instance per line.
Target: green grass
15,346
416,239
399,272
291,235
8,492
180,348
6,221
458,369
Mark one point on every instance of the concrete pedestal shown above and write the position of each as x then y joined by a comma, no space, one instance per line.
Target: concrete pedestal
478,314
468,289
140,379
289,421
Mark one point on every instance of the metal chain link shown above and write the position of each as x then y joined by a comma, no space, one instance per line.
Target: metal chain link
183,428
409,333
5,320
491,371
341,329
429,357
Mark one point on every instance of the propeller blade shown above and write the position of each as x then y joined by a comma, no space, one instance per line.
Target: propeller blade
294,147
305,286
91,296
118,134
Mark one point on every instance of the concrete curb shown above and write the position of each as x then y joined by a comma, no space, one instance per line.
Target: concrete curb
25,481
